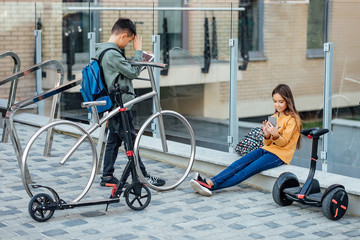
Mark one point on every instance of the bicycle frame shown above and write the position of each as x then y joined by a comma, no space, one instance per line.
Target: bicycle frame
98,122
152,94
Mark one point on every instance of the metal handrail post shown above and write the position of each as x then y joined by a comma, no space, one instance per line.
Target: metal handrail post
38,59
328,82
233,135
13,87
100,147
53,114
156,71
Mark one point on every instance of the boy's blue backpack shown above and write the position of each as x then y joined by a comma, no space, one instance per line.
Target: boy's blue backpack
93,85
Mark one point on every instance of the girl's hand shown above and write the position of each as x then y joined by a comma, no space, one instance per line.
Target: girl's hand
264,128
273,131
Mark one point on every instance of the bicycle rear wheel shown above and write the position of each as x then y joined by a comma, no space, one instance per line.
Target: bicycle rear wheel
169,153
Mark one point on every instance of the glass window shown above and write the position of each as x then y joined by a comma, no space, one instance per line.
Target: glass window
316,31
254,25
170,24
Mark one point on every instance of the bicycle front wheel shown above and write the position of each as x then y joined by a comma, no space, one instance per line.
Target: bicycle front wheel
172,149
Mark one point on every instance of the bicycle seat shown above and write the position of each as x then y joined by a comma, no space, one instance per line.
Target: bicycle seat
93,103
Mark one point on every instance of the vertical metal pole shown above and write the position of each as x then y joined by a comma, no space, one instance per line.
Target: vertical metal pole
233,135
92,41
100,147
92,38
156,47
328,82
38,59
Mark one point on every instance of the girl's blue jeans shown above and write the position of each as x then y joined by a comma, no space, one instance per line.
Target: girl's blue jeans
247,166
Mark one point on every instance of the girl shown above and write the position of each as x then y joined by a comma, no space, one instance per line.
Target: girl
279,146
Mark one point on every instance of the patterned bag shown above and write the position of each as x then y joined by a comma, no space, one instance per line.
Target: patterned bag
253,140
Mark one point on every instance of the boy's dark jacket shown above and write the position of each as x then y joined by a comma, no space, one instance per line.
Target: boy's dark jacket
114,63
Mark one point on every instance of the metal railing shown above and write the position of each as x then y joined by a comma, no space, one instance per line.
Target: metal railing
9,118
13,86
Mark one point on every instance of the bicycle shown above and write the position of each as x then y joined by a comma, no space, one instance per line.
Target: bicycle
137,195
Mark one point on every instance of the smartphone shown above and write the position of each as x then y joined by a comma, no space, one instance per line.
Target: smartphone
272,120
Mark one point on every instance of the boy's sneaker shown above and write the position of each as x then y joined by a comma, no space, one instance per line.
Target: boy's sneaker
200,185
108,179
156,181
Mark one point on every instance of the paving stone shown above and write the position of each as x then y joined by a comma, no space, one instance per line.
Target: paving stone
189,237
10,198
272,225
256,236
193,200
204,209
322,234
73,223
126,237
9,212
154,238
204,227
190,218
228,215
21,233
263,214
91,231
57,232
170,210
294,214
93,214
28,225
236,226
291,234
304,224
353,233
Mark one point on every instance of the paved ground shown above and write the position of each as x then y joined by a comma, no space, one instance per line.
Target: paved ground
240,212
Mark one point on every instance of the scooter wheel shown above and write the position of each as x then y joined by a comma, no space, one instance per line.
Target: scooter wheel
38,207
335,203
285,180
137,196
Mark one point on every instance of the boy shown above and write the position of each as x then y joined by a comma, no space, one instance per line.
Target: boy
115,66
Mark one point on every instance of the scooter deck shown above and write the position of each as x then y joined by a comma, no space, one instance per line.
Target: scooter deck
313,198
89,203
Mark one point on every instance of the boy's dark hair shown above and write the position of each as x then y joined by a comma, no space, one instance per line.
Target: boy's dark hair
124,25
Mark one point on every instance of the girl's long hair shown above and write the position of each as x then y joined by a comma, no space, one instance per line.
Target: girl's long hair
285,92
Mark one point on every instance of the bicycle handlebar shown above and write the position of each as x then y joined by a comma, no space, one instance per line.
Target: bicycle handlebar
150,64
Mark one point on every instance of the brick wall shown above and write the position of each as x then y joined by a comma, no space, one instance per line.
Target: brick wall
142,19
18,24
